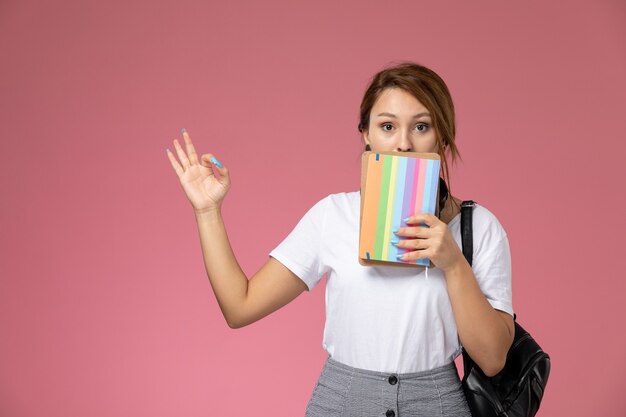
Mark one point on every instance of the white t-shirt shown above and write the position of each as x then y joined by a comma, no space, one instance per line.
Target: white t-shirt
385,318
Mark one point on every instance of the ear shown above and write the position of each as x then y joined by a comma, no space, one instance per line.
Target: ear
366,139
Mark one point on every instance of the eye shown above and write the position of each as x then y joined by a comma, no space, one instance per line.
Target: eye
422,127
386,124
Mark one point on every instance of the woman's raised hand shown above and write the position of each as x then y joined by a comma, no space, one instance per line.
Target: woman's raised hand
204,190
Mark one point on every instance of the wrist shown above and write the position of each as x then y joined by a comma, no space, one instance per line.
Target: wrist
458,268
208,213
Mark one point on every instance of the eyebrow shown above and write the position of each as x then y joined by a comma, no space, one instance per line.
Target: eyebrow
414,116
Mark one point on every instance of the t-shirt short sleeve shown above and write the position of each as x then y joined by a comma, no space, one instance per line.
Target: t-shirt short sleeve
301,250
492,267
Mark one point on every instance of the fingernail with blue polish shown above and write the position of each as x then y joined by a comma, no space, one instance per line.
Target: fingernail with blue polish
399,256
395,230
216,162
406,220
183,130
394,241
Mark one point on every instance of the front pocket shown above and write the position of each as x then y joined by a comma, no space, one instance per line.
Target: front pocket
453,401
325,401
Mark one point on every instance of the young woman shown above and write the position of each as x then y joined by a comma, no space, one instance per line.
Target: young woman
391,333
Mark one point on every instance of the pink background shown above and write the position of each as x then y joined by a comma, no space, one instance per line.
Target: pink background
105,307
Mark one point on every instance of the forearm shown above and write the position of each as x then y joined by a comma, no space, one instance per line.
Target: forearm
228,281
484,335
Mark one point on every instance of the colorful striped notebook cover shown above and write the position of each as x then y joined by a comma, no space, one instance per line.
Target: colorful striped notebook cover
394,186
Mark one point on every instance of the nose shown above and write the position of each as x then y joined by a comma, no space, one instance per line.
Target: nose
405,142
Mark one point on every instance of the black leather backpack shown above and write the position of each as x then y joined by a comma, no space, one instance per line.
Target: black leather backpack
518,389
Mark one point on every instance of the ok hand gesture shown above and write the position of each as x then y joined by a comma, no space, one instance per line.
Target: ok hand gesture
204,190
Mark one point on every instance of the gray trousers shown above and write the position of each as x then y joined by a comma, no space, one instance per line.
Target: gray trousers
344,391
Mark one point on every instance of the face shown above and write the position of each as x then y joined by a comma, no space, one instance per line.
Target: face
400,123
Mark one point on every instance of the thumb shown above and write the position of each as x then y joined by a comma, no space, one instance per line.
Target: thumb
209,159
205,161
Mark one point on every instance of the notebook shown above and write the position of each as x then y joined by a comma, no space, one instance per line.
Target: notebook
394,185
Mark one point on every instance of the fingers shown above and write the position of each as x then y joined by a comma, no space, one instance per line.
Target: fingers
415,245
205,160
224,174
191,151
179,170
424,237
191,158
181,154
424,218
413,255
412,244
209,159
414,231
184,159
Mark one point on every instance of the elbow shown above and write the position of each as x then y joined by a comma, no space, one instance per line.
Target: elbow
237,318
234,324
239,321
498,360
494,368
490,372
492,363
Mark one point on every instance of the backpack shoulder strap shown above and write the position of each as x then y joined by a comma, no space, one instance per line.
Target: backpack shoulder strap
467,240
466,229
468,249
